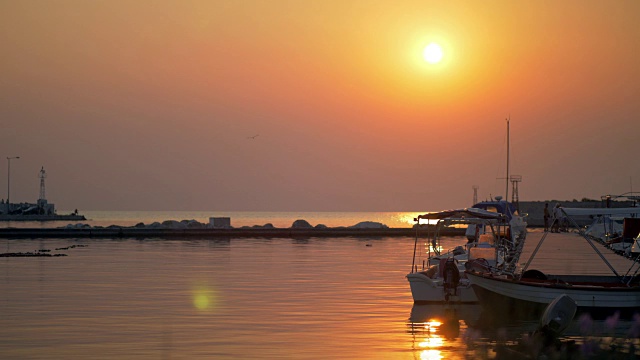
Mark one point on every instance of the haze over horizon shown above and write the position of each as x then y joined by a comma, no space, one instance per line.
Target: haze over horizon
151,105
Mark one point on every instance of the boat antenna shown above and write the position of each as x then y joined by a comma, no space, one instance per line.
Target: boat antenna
506,191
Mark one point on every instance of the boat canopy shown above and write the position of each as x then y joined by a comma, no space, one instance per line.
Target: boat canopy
632,211
500,206
471,213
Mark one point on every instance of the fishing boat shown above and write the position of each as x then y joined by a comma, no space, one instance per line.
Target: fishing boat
517,222
607,223
527,292
438,276
496,233
623,244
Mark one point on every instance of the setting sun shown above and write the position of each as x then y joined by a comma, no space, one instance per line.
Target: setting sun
432,53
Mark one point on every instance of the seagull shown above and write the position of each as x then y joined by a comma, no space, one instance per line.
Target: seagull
253,137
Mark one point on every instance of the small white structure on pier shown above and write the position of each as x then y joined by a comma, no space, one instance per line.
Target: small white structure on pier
220,222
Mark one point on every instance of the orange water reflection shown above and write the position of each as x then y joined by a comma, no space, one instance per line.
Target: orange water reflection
432,342
408,219
437,329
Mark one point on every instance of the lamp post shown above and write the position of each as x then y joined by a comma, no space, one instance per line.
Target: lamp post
9,180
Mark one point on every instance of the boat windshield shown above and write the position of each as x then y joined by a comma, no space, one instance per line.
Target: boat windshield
487,253
486,239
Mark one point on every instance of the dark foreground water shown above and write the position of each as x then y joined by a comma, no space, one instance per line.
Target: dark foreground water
336,298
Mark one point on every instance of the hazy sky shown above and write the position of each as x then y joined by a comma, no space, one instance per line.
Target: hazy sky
148,105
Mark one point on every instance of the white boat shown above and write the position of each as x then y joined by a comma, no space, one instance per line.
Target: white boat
616,228
517,224
607,223
529,292
496,233
623,244
438,276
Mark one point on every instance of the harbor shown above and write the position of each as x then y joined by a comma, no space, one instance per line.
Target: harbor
319,180
42,210
186,290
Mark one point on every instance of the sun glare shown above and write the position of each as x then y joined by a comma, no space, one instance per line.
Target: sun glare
432,53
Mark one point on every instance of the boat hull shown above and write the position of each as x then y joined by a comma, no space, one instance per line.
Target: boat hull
427,290
524,299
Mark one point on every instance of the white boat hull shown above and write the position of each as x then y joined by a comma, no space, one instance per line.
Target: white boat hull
426,290
538,295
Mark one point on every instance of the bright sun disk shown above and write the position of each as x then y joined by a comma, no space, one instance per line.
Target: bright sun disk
432,53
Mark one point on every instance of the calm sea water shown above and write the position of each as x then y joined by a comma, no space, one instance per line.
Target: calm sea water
248,298
318,298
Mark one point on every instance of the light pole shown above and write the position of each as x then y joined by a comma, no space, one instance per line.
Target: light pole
9,180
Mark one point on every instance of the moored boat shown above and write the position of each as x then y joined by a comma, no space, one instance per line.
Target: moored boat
528,292
607,224
496,233
437,276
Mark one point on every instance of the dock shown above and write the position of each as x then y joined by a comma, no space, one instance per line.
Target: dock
570,253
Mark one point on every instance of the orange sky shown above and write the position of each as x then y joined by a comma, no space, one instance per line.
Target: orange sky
147,105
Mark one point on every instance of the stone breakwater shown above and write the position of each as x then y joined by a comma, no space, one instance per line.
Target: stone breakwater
40,252
30,254
193,229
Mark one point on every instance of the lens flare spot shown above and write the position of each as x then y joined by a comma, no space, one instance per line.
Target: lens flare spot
204,299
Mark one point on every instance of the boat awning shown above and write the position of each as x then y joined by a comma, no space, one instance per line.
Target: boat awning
471,213
634,211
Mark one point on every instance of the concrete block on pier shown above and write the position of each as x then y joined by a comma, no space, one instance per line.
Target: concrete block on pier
220,222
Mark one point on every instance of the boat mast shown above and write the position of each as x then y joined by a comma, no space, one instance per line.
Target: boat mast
506,191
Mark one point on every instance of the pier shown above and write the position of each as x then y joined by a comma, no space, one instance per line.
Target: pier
209,233
570,253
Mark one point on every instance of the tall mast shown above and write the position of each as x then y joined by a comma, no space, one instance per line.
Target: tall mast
506,192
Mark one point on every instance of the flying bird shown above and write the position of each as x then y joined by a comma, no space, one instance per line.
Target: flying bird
253,137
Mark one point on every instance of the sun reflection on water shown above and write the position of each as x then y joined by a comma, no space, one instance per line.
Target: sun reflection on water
408,219
430,355
432,341
438,330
